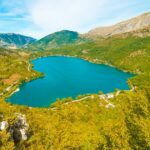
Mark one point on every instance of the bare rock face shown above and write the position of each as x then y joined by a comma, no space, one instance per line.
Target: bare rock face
18,129
133,24
22,126
3,125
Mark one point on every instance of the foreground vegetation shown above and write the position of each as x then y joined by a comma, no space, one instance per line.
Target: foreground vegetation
88,124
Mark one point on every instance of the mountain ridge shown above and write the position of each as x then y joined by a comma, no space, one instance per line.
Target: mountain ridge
130,25
137,26
57,39
13,40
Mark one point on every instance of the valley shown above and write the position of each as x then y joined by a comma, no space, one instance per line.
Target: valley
89,123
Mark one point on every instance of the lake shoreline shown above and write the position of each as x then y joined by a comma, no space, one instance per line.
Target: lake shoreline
95,87
106,64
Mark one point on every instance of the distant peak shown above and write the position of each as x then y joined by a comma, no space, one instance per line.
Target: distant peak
18,40
17,34
8,33
147,13
65,31
133,24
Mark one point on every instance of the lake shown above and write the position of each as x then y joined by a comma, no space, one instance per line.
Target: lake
68,77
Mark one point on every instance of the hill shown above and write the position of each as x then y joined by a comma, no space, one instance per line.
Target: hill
12,40
57,39
138,27
130,25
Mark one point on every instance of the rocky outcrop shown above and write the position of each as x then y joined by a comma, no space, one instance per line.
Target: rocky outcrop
3,125
18,129
22,125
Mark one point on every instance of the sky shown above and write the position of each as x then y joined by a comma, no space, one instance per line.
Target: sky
38,18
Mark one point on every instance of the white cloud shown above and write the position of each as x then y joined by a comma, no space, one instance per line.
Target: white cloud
53,15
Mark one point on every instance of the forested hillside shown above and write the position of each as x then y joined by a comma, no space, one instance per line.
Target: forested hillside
57,39
13,41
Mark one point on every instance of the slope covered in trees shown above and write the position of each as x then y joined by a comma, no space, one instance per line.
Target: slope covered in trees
57,39
12,40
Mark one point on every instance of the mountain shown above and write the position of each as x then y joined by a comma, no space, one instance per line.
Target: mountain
12,40
58,39
137,23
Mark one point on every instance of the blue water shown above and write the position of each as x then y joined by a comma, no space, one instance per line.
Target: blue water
68,77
